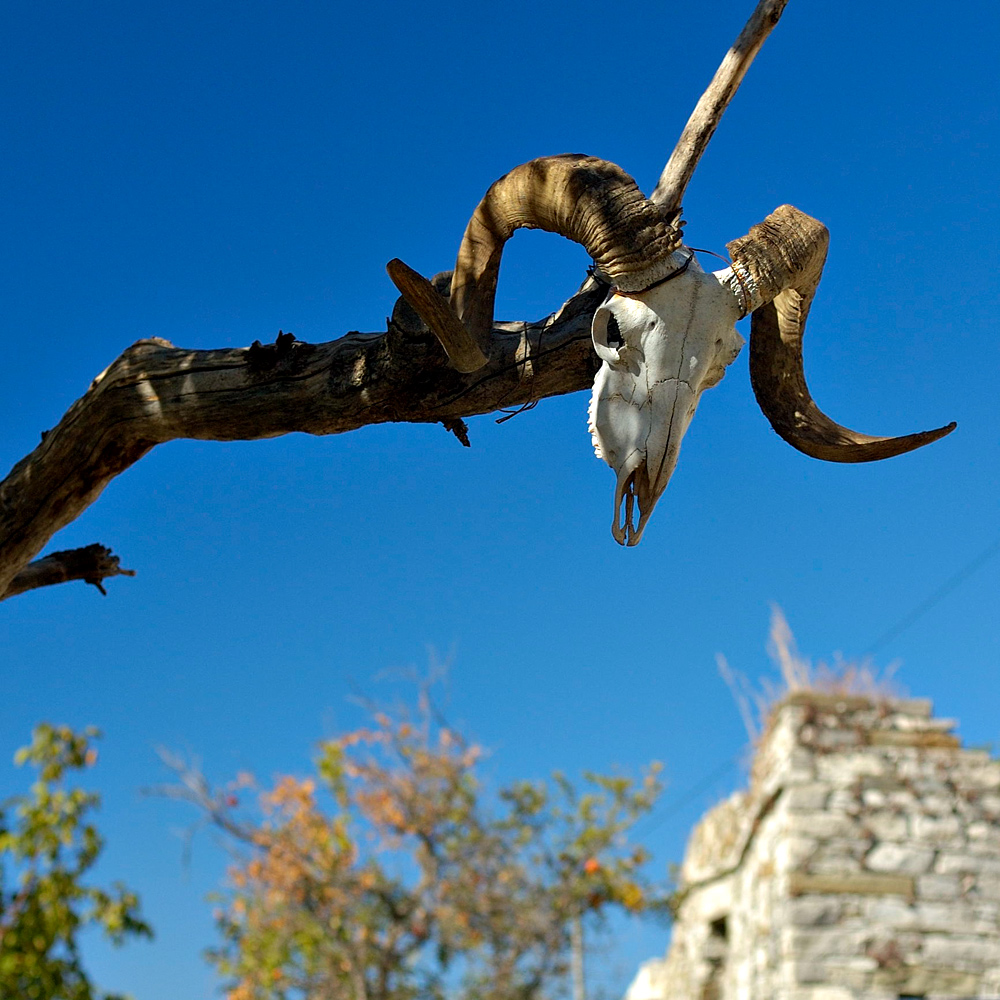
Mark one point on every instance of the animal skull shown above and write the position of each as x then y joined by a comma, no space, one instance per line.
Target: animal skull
660,350
665,332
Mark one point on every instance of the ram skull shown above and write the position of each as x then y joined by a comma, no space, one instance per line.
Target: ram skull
665,331
660,350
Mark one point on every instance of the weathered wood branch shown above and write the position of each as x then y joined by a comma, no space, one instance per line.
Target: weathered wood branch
155,392
93,564
701,126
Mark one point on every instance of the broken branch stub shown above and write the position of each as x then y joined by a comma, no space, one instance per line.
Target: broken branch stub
93,564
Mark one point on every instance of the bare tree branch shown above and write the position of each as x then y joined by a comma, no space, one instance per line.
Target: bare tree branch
701,126
92,564
155,392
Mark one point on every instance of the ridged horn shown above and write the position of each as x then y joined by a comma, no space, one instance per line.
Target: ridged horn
777,267
586,199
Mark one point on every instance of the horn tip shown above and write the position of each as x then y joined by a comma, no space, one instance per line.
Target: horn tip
398,270
939,432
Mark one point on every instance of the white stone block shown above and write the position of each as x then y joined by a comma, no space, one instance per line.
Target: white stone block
952,918
843,769
821,825
938,887
836,865
890,912
902,799
909,724
793,852
986,910
904,860
986,886
807,973
845,800
933,793
803,798
936,829
810,945
984,778
960,952
855,847
886,825
984,831
859,963
909,766
858,981
836,739
949,863
800,767
935,804
873,798
806,911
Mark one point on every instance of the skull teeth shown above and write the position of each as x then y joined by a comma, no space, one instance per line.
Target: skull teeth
592,426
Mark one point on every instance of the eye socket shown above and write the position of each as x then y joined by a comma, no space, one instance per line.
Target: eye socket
614,336
608,336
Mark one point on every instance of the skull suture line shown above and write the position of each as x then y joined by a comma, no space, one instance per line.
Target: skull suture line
665,331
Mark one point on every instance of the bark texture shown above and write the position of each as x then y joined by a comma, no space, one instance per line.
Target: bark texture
155,392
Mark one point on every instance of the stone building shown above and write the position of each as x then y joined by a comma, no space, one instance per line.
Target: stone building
862,863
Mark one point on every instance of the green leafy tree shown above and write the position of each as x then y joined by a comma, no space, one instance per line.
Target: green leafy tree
394,875
48,843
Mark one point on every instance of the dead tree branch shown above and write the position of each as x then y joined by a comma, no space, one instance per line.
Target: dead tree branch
155,392
93,564
701,126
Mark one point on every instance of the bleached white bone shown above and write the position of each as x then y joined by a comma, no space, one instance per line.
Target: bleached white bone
660,349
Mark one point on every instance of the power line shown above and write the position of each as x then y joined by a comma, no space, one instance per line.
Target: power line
693,791
951,584
939,595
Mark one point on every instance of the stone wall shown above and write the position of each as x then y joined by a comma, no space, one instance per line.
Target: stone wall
863,861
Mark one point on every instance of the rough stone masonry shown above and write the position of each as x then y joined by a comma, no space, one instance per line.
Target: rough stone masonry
863,863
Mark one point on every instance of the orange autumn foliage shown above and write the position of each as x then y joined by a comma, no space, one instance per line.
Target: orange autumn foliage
393,875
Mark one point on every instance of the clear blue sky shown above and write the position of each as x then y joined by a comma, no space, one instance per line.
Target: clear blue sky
212,172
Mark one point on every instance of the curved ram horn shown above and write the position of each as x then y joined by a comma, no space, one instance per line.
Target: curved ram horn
777,267
586,199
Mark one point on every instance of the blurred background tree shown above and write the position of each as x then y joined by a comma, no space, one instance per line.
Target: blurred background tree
47,845
411,880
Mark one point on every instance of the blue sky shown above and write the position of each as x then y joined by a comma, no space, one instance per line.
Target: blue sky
211,172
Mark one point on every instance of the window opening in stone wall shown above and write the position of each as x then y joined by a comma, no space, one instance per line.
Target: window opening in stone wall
715,954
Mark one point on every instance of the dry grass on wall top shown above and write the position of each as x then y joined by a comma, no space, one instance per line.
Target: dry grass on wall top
756,703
